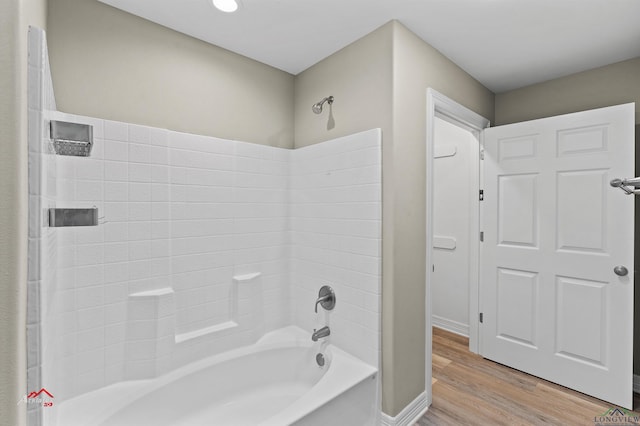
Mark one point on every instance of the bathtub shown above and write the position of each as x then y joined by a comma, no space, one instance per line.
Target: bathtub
275,382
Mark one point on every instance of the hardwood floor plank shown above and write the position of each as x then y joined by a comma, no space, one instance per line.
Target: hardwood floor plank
466,408
470,390
440,361
565,404
497,371
495,391
451,336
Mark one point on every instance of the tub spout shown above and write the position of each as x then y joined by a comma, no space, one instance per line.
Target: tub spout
323,332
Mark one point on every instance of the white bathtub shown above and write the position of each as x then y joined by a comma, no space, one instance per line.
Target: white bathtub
275,382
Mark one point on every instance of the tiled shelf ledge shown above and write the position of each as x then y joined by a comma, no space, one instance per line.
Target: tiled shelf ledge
181,338
246,278
153,293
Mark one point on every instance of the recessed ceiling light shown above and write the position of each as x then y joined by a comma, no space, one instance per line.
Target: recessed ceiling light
226,5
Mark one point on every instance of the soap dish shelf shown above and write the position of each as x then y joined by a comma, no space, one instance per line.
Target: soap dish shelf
72,139
73,217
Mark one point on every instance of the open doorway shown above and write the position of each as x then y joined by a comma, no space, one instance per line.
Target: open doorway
455,209
451,118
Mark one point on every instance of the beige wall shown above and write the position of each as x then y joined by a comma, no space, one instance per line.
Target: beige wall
109,64
417,66
381,81
15,17
605,86
359,78
600,87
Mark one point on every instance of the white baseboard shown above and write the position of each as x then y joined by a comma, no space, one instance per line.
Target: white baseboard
450,325
409,414
636,383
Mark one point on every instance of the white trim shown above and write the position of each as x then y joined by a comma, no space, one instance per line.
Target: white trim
447,109
450,325
409,414
636,383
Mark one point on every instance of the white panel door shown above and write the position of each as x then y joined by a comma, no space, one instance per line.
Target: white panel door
554,229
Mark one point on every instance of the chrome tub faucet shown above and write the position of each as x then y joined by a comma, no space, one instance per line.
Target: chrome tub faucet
318,334
326,299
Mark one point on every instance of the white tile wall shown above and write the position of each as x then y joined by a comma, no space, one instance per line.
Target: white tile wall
201,263
336,239
186,214
42,244
186,219
260,232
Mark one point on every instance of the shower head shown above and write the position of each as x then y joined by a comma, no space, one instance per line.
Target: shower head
317,107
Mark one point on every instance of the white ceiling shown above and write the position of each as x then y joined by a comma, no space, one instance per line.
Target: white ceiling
505,44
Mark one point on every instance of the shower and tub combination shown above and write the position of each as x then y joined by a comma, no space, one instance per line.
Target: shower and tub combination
272,382
180,279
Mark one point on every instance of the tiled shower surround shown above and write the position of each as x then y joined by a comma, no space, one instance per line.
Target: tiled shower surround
203,245
182,215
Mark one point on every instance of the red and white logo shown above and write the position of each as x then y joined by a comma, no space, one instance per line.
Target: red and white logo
43,396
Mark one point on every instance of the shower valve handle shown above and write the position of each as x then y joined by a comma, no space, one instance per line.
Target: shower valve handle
326,298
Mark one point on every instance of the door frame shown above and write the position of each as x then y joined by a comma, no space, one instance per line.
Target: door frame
439,105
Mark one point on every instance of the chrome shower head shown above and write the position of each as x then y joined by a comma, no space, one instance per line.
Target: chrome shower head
317,107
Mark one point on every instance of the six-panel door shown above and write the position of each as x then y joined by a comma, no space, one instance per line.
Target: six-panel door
554,232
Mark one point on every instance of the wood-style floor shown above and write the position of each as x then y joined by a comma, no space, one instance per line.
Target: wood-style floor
469,390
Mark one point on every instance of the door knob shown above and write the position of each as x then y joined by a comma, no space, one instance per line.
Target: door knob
620,270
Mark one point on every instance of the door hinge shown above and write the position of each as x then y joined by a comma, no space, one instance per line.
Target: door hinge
482,236
481,317
482,154
482,195
433,268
